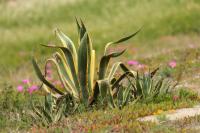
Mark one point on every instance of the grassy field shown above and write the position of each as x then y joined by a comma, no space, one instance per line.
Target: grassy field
170,30
24,25
27,24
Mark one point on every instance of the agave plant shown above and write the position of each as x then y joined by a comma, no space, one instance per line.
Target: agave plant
51,111
76,70
149,86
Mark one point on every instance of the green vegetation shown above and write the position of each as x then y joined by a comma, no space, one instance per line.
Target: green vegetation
32,25
120,120
15,108
170,33
149,86
51,111
76,70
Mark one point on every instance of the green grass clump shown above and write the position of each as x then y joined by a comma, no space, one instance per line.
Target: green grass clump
122,120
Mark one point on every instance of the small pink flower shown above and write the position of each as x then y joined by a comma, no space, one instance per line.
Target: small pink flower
48,71
62,86
20,88
133,63
57,82
172,64
48,65
34,87
49,78
30,90
57,95
25,81
146,73
175,98
141,66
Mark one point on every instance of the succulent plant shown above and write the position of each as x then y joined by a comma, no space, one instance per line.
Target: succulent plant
76,70
149,86
51,111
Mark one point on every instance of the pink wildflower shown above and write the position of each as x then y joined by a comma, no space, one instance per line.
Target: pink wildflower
57,82
133,63
172,64
48,65
57,95
62,86
20,88
25,81
175,98
49,78
30,90
146,73
48,71
141,66
34,87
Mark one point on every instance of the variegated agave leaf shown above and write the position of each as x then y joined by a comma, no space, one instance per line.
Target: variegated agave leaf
106,89
120,40
104,62
123,96
76,69
106,58
68,43
149,86
48,112
86,43
41,77
71,68
82,66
